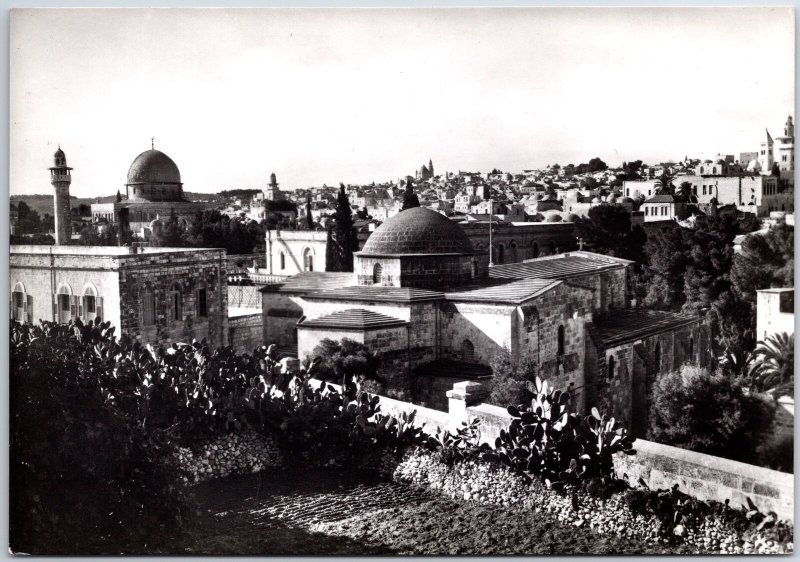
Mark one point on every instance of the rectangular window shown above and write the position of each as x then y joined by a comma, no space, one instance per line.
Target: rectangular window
148,309
64,312
787,302
89,304
202,302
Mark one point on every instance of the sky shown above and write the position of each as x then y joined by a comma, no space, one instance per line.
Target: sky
361,95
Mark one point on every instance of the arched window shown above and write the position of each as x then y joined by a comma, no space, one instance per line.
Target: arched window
201,300
283,261
474,264
513,252
21,304
561,342
148,307
535,249
308,260
65,304
501,254
691,348
175,303
467,351
552,246
377,273
657,357
612,364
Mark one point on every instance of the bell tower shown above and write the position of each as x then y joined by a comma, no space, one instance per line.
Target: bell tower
61,178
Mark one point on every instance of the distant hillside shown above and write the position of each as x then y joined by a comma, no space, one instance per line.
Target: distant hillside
44,203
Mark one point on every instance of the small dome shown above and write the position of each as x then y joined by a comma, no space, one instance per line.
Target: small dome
418,231
59,153
153,166
572,217
554,218
626,200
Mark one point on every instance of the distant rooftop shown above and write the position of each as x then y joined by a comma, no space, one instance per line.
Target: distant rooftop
622,326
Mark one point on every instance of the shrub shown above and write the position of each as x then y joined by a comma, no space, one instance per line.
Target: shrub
558,446
708,413
508,385
83,479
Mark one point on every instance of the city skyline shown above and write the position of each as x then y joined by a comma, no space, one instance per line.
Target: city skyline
322,96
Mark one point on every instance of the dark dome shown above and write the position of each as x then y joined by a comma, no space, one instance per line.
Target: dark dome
418,231
554,218
153,166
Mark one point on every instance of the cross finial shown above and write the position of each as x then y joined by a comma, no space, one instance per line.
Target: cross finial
580,244
153,143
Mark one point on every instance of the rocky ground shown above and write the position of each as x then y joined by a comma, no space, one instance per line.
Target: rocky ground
322,513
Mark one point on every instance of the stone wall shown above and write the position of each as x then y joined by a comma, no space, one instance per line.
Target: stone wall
281,312
246,332
189,271
709,478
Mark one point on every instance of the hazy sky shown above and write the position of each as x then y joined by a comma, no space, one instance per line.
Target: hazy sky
329,95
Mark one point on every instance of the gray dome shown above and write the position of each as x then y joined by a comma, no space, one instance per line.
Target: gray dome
418,231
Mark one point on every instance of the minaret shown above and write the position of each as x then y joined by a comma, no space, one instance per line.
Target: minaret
788,130
61,178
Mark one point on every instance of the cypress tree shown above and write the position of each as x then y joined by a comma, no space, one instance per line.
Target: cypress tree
342,239
410,198
309,218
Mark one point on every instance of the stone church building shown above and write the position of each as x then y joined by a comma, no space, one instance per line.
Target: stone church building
417,297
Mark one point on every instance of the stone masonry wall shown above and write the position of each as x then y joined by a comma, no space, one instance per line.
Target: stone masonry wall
245,333
187,271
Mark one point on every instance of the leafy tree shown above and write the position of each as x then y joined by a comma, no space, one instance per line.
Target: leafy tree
101,235
342,239
346,361
685,191
213,229
410,198
363,214
733,428
607,230
171,234
667,187
668,259
776,170
711,258
776,355
28,220
508,386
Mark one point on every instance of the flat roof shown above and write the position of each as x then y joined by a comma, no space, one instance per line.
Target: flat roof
777,290
101,251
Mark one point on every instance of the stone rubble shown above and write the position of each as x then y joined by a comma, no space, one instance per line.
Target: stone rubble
227,455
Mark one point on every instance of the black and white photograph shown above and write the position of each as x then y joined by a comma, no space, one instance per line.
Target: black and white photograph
387,281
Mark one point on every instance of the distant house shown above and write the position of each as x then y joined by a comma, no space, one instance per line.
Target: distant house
664,208
774,312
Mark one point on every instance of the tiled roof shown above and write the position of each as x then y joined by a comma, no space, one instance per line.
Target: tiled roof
514,292
560,267
311,281
453,368
662,199
373,293
354,318
626,325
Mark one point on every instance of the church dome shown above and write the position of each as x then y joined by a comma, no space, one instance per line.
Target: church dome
418,231
153,166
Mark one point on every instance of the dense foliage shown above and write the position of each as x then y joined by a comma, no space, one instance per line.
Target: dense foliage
338,360
733,428
509,383
558,446
84,476
410,199
607,230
